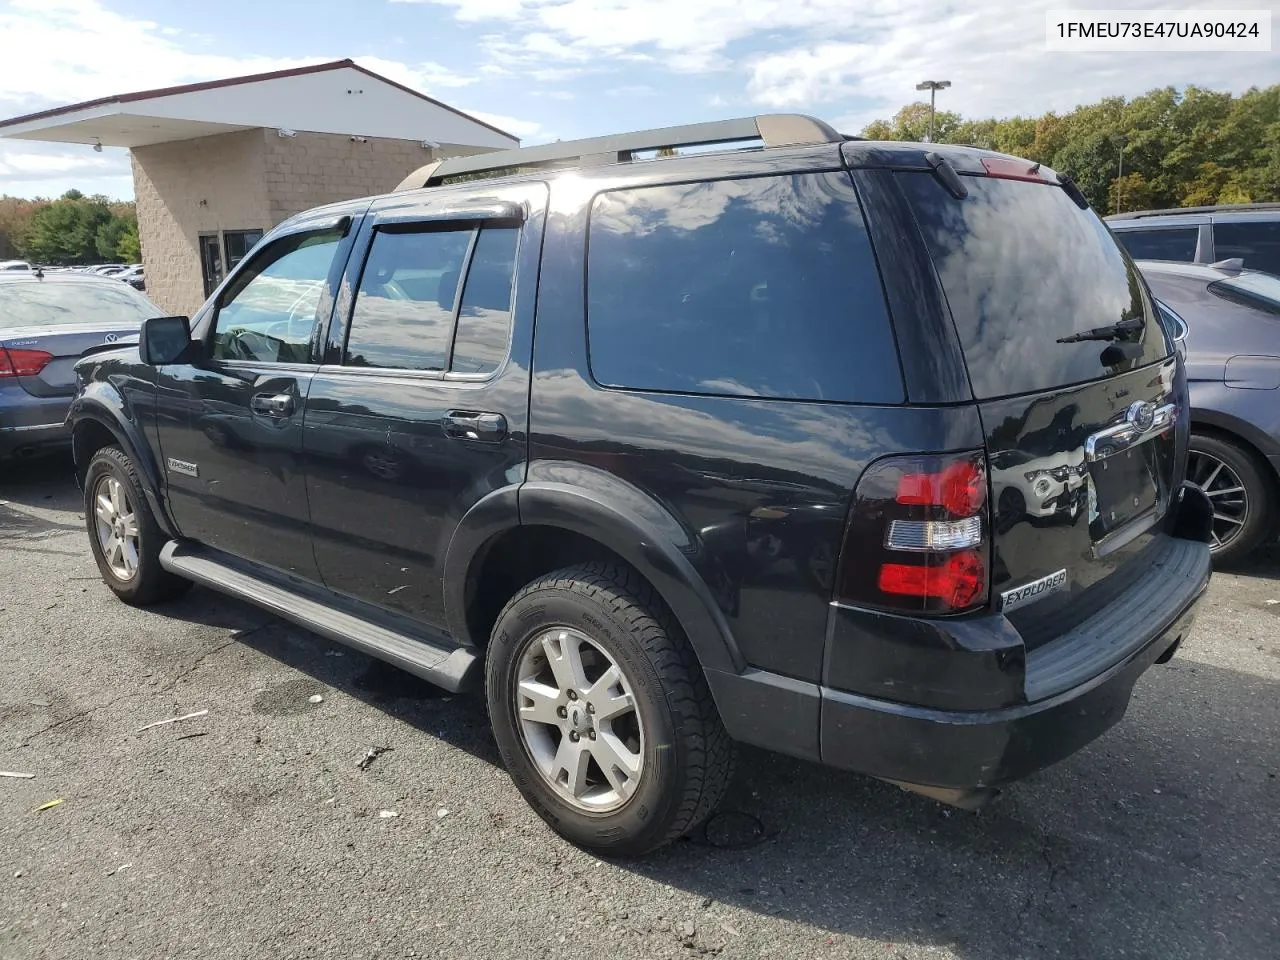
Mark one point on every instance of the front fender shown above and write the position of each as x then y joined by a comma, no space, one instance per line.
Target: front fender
106,404
618,515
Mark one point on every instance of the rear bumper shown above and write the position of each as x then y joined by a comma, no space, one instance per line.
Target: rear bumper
31,424
1064,702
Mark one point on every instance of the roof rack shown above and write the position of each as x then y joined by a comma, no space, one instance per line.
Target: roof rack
773,130
1215,208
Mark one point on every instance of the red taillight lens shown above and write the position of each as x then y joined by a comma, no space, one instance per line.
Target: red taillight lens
918,535
959,581
960,488
22,363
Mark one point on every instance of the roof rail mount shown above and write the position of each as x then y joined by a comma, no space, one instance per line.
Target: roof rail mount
771,129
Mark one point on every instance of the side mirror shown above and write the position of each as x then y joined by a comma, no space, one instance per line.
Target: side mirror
166,340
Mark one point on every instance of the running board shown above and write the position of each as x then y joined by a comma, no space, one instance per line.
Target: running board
452,667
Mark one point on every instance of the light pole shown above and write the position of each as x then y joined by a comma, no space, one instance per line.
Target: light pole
1120,174
933,86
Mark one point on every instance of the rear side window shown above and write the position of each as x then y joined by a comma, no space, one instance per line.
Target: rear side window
764,287
403,316
1255,242
1021,266
1177,244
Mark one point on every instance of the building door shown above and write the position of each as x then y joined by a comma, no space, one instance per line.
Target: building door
424,409
231,423
210,263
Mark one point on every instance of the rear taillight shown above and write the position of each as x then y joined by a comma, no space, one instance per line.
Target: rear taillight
22,363
917,539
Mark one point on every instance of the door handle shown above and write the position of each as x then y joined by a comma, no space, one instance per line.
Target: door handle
272,405
467,425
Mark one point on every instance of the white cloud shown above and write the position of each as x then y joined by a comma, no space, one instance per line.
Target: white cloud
425,76
524,129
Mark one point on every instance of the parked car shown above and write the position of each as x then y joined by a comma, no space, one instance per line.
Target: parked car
133,276
1248,232
735,487
1231,319
47,322
14,266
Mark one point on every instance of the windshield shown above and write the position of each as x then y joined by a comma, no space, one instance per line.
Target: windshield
48,303
1022,267
1251,289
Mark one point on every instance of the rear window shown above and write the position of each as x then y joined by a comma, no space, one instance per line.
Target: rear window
763,287
50,303
1175,244
1022,266
1252,289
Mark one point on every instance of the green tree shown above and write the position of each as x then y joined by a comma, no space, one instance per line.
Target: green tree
74,229
129,247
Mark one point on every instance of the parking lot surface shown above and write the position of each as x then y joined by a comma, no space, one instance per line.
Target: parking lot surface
251,830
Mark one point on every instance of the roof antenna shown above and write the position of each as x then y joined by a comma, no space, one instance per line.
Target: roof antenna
97,144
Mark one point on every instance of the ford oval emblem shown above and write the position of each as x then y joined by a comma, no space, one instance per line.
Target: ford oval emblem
1142,414
112,337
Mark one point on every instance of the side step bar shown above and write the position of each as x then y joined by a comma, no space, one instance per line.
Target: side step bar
434,660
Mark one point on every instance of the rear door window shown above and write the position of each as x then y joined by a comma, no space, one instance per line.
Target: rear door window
1256,242
1022,266
1177,244
764,287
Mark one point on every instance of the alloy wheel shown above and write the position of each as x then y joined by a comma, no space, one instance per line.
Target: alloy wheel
1225,490
117,527
578,720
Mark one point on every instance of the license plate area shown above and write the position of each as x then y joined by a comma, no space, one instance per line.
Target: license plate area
1125,487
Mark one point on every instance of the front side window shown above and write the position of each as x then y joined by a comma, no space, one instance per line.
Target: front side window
270,311
1178,244
1256,242
763,287
408,314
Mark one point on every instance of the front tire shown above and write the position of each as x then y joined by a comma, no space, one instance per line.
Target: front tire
602,714
123,534
1243,497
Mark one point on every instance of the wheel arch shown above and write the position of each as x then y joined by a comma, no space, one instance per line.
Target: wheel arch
557,521
97,422
1243,434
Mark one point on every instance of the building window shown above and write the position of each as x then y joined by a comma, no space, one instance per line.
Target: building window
238,243
210,262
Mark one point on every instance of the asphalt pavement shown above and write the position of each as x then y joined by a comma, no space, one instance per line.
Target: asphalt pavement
252,830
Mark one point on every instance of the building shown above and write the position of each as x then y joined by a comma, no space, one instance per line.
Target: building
215,165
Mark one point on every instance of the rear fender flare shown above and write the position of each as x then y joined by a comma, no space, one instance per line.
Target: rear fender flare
616,514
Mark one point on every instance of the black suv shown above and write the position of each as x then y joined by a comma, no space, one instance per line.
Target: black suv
868,453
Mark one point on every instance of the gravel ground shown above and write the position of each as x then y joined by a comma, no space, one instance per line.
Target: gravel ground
250,831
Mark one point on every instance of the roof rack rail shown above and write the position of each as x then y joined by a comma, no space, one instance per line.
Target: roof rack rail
773,130
1212,208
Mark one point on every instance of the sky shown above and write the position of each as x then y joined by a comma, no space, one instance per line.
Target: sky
560,69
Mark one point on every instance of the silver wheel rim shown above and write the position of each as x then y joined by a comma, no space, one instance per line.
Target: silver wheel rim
117,527
578,720
1225,491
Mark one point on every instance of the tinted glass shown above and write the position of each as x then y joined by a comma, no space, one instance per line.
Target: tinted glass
1178,245
403,316
1256,242
1022,266
1252,289
484,321
763,287
271,309
239,243
49,303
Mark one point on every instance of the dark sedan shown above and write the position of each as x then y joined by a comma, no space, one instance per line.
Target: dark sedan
47,322
1232,349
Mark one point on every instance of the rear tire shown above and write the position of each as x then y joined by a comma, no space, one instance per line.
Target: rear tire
123,533
674,758
1243,496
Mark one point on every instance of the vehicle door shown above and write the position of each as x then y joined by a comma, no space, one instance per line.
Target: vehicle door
230,423
422,408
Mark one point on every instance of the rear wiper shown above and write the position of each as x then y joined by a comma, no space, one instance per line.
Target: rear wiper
1115,331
